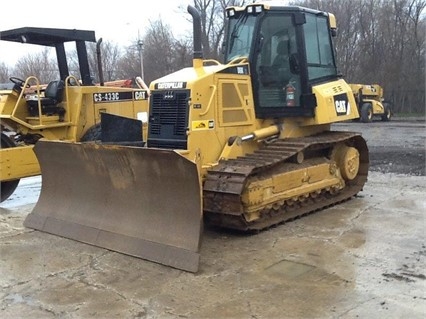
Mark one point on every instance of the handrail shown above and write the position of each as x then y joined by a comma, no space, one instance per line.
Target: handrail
239,59
67,84
211,61
210,101
21,97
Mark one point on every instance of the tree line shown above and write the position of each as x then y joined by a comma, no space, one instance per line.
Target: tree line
378,41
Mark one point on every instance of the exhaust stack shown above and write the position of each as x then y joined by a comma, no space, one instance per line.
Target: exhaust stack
196,21
99,58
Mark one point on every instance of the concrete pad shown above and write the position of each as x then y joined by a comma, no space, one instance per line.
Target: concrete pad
364,258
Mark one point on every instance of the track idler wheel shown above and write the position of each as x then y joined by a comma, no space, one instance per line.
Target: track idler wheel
347,159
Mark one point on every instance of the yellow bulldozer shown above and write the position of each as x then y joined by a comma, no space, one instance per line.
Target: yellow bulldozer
244,145
370,102
65,109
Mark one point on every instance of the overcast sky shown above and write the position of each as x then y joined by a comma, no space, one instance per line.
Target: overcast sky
117,21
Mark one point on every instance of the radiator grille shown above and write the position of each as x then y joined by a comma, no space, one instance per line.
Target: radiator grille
168,119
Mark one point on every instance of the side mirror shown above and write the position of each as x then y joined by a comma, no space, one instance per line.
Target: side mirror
294,64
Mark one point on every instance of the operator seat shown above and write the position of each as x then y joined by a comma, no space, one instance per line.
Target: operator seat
53,95
277,74
281,60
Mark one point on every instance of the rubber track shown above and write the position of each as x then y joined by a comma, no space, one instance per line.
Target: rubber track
225,183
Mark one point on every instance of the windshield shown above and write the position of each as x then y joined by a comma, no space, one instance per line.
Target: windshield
240,36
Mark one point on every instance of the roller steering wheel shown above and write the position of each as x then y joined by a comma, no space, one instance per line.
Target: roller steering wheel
18,81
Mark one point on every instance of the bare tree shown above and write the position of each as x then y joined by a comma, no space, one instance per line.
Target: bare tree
110,56
379,41
213,24
162,54
406,41
129,65
40,65
159,51
382,41
183,53
4,73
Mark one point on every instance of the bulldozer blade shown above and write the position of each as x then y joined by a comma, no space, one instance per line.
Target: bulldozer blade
141,202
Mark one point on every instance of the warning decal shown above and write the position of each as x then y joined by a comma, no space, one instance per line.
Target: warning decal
202,125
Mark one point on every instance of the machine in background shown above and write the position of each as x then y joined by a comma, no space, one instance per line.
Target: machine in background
68,108
371,102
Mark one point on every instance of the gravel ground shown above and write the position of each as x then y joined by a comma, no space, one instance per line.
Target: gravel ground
397,146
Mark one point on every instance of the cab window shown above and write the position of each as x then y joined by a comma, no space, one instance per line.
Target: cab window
318,45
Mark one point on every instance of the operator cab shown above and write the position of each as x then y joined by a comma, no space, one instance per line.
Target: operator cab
49,103
289,50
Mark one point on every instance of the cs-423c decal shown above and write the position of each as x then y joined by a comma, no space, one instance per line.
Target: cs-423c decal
106,97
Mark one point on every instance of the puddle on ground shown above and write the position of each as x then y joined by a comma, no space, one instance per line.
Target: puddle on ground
19,299
289,269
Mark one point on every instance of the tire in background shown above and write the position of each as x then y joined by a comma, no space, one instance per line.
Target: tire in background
366,113
388,112
93,134
7,187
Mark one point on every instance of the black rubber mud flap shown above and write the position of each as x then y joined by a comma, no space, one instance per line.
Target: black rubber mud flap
141,202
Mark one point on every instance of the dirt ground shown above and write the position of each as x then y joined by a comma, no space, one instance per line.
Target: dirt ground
397,146
364,258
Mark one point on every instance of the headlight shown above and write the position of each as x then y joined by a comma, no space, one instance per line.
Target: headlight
142,116
230,12
254,9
